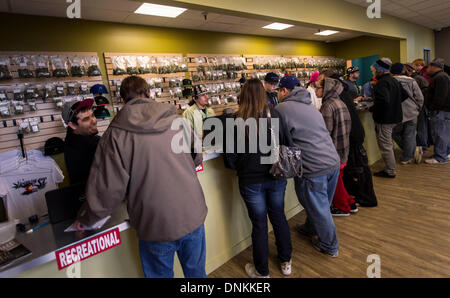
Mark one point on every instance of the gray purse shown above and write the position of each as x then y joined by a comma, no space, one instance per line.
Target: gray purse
289,161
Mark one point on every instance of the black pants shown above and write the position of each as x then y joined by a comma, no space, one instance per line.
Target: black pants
358,177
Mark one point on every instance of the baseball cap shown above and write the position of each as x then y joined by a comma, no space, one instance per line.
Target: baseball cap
289,82
98,89
199,90
70,109
352,69
101,101
101,112
439,62
272,78
314,77
397,68
53,146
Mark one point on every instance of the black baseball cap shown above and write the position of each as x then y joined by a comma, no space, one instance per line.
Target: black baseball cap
272,78
352,69
199,90
53,146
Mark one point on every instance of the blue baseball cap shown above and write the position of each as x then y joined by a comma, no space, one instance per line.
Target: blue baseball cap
98,89
289,82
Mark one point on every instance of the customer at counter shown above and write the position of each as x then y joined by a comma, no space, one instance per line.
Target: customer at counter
387,113
271,81
81,139
262,193
315,190
199,109
134,161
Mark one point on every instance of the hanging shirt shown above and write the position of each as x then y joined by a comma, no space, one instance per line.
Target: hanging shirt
23,187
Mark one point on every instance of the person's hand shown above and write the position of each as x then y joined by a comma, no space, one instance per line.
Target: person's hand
358,99
79,226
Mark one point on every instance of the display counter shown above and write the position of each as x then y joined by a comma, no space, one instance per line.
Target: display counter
227,227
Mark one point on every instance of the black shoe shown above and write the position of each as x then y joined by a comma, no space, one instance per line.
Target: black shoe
338,212
353,208
302,230
383,174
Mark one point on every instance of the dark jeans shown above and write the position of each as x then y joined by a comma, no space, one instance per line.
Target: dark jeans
261,200
157,257
404,134
440,126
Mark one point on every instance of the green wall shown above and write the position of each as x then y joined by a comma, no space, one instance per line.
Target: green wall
366,46
34,33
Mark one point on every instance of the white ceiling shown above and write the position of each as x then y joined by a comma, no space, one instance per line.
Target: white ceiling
122,11
434,14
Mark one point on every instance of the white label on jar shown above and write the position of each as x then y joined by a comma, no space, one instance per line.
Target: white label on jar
30,91
60,88
2,95
16,90
22,64
71,84
41,64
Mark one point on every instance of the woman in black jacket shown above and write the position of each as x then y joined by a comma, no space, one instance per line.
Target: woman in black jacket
262,193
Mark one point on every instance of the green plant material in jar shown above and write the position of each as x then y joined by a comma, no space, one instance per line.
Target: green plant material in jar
5,74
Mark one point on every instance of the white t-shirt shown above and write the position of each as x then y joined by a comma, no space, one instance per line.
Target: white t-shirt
317,102
23,186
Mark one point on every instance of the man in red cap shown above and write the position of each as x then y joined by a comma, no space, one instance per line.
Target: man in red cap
81,139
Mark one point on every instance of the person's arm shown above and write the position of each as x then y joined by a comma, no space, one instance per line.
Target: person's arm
381,94
108,180
327,114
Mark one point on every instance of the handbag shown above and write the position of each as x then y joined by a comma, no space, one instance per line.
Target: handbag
289,162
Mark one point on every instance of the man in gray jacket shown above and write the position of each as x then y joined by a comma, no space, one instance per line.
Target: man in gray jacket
404,133
315,190
166,204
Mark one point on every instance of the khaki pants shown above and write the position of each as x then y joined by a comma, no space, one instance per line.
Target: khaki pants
384,139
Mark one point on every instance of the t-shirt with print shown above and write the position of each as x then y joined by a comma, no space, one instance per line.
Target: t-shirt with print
24,188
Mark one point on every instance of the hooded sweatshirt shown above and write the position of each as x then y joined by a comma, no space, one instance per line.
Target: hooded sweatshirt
412,106
134,159
337,117
308,131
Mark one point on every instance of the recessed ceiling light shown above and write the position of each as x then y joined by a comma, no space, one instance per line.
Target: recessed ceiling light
278,26
326,32
160,10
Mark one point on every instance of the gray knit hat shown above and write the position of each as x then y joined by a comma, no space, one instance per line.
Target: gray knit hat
439,62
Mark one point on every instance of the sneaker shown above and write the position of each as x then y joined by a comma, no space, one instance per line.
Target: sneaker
353,208
418,154
383,174
315,243
406,162
433,161
286,268
338,212
251,271
448,157
302,230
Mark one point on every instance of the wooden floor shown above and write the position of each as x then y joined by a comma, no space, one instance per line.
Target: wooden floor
409,230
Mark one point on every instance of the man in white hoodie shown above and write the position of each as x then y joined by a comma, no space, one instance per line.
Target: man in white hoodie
404,133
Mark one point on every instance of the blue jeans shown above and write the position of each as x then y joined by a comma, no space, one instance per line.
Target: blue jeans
424,138
157,257
261,200
316,195
440,128
404,135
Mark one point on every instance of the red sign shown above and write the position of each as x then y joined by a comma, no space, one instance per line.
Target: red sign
87,248
199,168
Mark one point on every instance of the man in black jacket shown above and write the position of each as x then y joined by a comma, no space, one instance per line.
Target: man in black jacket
438,103
81,139
387,113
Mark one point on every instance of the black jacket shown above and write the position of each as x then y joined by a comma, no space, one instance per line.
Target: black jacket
272,99
438,96
357,133
422,82
79,154
388,98
248,165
